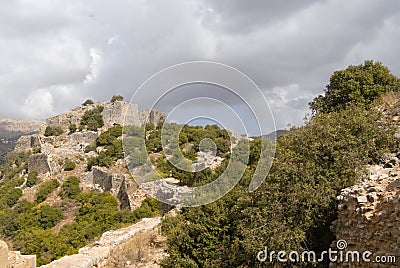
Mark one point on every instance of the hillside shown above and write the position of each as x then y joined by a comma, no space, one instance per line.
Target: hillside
69,183
50,192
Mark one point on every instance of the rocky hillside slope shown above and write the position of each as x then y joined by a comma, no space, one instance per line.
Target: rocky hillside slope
50,192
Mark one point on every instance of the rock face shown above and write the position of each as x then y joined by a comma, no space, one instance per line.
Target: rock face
39,163
117,184
369,215
113,113
162,190
94,256
14,258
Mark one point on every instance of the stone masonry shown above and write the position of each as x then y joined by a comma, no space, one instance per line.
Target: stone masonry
94,255
369,216
14,259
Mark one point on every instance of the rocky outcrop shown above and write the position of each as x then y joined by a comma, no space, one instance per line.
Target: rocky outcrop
113,113
27,142
206,159
369,215
163,190
14,258
95,255
39,163
116,183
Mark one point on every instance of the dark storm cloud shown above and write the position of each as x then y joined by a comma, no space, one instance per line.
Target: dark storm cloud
55,54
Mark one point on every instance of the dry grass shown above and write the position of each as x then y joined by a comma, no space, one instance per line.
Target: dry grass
146,249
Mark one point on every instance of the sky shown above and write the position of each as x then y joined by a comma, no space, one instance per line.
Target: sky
55,53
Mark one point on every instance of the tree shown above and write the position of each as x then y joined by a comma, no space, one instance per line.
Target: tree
357,84
45,189
72,128
69,165
32,179
93,119
116,98
53,131
87,102
70,188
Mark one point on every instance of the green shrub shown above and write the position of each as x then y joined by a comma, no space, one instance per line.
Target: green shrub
87,102
69,165
93,119
92,161
70,188
36,150
48,216
116,98
45,189
91,147
13,196
53,131
32,179
72,128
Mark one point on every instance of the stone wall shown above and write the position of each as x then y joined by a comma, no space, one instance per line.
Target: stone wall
14,259
115,183
113,113
369,216
96,254
39,163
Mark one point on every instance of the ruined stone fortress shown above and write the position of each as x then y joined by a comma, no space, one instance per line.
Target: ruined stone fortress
55,149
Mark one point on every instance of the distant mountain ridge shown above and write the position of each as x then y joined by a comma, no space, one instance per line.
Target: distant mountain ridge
274,135
11,130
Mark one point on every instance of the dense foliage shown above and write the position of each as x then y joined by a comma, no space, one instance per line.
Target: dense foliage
357,84
53,131
92,119
69,165
87,102
295,206
115,98
112,145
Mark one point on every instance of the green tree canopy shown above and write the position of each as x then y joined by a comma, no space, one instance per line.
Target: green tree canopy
357,84
116,98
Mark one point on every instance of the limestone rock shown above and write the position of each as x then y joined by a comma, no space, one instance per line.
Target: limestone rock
39,163
117,184
369,214
15,258
93,256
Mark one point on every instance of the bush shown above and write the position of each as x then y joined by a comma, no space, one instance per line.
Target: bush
89,148
53,131
69,165
32,179
48,216
92,161
45,189
93,119
36,150
72,128
70,188
87,102
116,98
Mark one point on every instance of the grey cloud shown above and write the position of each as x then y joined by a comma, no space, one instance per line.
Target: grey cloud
289,48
